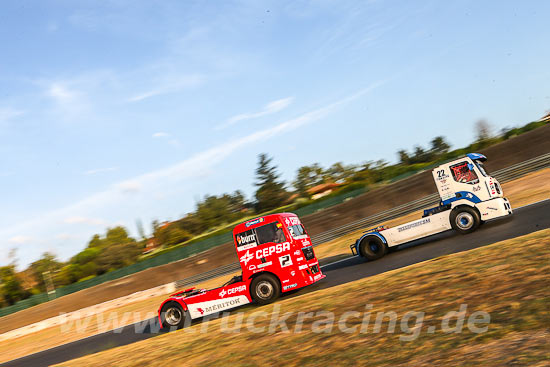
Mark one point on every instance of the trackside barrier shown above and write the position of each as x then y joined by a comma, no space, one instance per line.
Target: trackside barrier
503,175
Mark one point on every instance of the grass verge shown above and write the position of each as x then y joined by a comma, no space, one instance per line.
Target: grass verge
508,280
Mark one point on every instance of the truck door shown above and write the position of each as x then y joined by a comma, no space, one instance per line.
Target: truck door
466,182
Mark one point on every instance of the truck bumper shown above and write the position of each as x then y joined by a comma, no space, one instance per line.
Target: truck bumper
495,208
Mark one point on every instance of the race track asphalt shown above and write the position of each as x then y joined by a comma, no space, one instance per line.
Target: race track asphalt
525,220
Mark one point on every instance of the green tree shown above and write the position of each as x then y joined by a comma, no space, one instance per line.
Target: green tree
339,172
439,146
483,131
170,234
271,192
11,289
47,263
404,157
308,177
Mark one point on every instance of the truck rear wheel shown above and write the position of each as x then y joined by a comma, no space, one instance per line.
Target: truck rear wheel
173,316
265,288
373,248
464,219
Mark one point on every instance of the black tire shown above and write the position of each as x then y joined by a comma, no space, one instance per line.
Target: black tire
373,248
173,316
265,288
464,219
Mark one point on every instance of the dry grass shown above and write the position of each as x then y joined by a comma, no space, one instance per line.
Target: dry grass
522,191
55,336
509,280
525,190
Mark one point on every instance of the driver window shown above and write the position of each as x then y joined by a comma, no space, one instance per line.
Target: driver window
272,232
464,173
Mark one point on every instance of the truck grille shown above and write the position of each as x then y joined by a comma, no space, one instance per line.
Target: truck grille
314,269
308,253
497,187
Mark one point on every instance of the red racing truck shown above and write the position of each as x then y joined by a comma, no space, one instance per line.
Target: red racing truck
276,256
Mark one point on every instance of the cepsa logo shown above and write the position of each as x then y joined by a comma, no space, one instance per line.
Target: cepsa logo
265,252
246,257
277,249
292,221
231,291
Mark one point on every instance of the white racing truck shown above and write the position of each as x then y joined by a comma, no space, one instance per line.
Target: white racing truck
469,197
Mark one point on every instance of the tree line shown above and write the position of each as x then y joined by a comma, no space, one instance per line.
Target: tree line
116,248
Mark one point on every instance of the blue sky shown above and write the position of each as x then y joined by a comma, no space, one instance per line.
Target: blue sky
112,111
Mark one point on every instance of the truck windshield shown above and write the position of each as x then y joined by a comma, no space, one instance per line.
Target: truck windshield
463,174
481,168
297,231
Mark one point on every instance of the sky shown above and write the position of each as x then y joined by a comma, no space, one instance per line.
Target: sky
118,111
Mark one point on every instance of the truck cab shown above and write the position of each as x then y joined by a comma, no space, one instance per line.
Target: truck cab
468,197
465,181
276,256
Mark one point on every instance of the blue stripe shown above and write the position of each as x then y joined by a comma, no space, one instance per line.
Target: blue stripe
463,195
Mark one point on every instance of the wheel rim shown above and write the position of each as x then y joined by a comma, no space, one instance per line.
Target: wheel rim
464,220
173,316
374,246
264,289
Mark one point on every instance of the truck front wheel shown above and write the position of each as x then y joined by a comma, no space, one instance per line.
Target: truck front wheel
464,220
173,316
373,248
265,289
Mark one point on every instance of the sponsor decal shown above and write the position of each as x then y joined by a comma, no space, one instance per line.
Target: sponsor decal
252,267
297,252
412,225
302,267
292,273
247,247
306,243
274,249
246,257
246,240
317,276
220,306
234,290
286,281
290,286
264,265
477,188
441,175
490,207
254,221
299,258
470,195
285,261
292,221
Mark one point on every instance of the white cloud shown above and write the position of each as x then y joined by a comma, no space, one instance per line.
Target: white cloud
65,237
87,210
172,141
270,108
84,220
61,93
161,134
130,186
8,113
20,240
168,84
100,170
